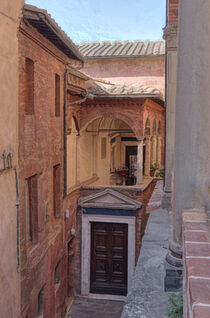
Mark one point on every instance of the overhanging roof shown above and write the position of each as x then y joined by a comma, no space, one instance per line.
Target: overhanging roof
46,25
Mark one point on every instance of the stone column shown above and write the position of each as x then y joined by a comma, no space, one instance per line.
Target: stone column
170,35
154,150
148,157
159,142
191,182
192,128
139,172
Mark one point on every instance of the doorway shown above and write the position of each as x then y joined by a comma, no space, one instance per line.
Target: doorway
109,258
130,162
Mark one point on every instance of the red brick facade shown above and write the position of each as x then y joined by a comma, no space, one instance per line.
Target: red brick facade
133,113
40,151
172,12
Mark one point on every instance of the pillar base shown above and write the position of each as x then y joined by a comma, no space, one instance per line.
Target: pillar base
166,200
174,269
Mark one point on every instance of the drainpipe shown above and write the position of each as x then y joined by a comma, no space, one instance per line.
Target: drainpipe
17,203
64,134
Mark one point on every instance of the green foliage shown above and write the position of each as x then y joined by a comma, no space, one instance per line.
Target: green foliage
176,305
161,172
153,167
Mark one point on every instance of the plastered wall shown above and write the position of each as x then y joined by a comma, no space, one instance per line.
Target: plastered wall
9,276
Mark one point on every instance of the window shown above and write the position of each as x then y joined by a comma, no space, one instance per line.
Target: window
57,277
32,209
29,88
56,190
41,302
57,95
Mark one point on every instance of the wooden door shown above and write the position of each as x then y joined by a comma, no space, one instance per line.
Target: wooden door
109,260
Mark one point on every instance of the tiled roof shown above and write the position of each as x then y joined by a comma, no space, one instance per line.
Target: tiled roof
46,25
113,90
121,49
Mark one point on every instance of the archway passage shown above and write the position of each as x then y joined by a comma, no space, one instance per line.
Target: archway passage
103,153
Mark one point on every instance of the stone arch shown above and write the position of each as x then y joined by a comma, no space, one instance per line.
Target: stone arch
121,117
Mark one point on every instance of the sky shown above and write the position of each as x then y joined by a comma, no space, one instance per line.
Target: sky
107,20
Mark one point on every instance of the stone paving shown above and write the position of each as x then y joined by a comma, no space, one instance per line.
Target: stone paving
147,298
95,308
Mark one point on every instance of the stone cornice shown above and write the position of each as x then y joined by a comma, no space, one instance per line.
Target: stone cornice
170,35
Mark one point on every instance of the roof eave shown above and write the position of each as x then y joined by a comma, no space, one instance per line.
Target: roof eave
99,57
133,96
50,23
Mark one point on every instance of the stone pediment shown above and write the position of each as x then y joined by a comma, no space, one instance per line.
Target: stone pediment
109,199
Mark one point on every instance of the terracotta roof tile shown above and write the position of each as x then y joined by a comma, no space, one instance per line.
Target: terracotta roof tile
121,49
102,89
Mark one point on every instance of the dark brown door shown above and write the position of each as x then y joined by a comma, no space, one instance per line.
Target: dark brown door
109,249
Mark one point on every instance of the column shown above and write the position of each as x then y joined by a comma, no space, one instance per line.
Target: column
159,143
148,157
139,172
170,35
192,129
154,150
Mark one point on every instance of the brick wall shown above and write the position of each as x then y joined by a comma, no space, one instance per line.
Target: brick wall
173,12
40,149
196,242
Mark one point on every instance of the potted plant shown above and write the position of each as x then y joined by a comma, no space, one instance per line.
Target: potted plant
153,167
160,173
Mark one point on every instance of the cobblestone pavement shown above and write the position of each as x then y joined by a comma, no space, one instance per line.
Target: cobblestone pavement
95,308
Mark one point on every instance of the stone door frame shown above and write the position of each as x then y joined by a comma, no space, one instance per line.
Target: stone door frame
86,247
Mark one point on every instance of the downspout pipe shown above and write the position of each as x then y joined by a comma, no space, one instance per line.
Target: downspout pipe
17,203
64,136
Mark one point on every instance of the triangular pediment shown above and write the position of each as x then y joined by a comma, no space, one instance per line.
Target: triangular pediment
109,199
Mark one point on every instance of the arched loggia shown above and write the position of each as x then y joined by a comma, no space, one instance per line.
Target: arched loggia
105,148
